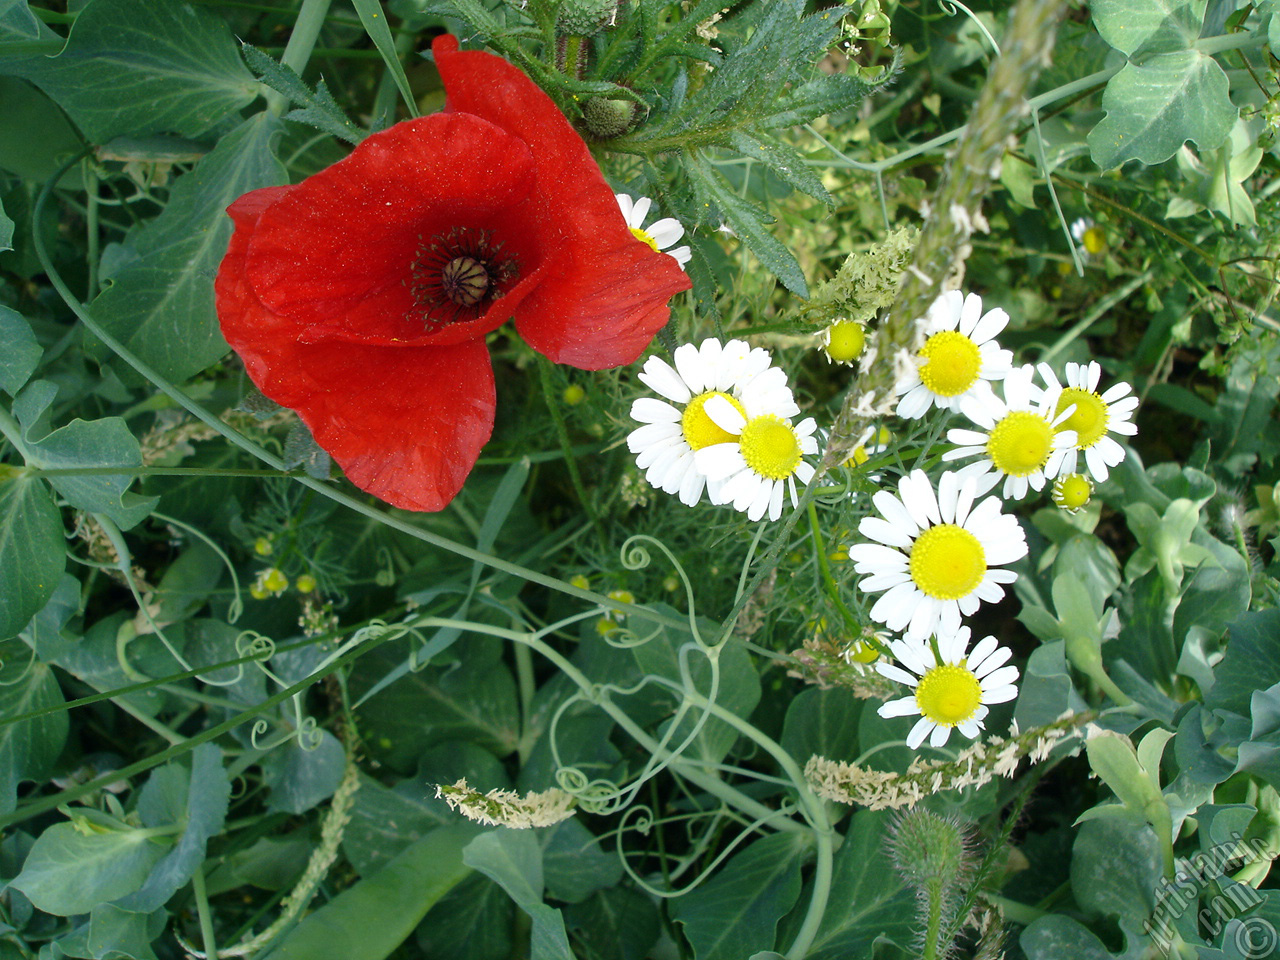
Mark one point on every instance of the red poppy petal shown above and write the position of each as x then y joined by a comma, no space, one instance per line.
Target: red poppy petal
605,293
337,252
405,424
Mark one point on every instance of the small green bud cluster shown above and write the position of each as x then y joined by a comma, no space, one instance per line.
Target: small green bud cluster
585,18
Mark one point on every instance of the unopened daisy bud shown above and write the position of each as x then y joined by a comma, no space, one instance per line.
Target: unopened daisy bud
573,395
306,583
580,581
1073,492
608,117
263,547
844,340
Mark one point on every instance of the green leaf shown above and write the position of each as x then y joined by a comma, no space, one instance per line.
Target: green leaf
69,872
1138,27
822,723
161,305
32,551
369,920
301,777
573,864
133,67
105,444
373,17
1252,662
615,924
35,138
736,913
748,221
22,351
318,109
28,748
474,921
1115,865
868,901
1154,108
202,796
6,240
784,162
114,932
1055,936
512,859
1218,184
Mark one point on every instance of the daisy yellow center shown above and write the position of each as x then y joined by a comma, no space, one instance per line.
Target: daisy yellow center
770,447
1072,492
1021,442
643,237
699,429
845,340
952,363
1089,420
947,562
1094,240
948,694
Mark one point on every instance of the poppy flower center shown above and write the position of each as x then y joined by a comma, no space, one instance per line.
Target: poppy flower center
948,694
947,562
458,274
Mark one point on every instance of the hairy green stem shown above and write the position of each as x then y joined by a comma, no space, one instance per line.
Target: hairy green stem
297,52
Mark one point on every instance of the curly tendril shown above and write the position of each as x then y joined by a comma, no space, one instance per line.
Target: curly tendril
634,556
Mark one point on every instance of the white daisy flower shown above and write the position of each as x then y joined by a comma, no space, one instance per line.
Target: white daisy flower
1022,443
1095,416
959,358
1089,235
762,461
950,688
659,235
672,431
935,556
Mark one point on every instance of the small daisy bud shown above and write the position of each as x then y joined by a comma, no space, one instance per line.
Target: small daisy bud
306,583
1094,241
573,395
606,117
844,341
1072,493
263,547
580,581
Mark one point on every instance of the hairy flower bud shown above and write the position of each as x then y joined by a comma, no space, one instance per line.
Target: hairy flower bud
605,117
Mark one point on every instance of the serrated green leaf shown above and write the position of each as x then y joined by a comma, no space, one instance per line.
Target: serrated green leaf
1154,108
784,162
21,351
161,305
28,748
1138,27
32,551
748,221
317,109
145,66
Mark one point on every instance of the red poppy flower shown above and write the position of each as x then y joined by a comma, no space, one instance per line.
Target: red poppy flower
361,297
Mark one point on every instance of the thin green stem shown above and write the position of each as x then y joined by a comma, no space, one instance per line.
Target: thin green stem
302,41
208,941
562,434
